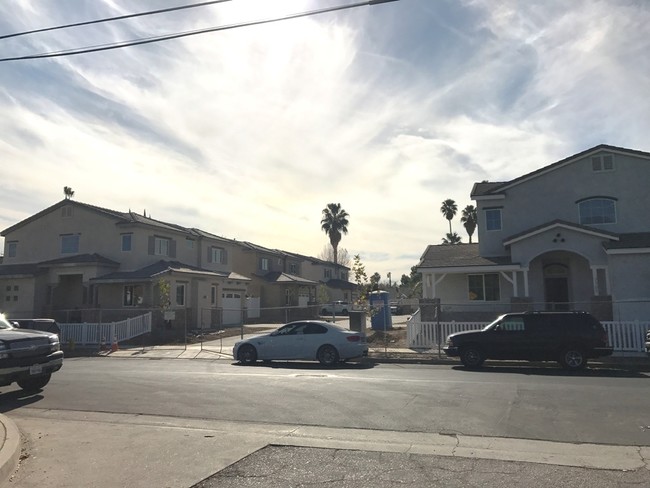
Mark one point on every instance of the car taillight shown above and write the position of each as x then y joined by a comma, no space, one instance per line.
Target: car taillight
354,338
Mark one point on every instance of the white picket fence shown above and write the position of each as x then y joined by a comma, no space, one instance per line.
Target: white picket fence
96,333
624,337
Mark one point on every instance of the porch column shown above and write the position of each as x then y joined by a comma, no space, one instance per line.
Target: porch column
594,279
526,292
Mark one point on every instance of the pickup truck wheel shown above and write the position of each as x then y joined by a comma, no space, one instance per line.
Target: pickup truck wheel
34,384
471,357
573,359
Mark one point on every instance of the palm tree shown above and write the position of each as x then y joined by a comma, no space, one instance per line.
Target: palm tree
334,223
469,220
451,238
68,192
449,209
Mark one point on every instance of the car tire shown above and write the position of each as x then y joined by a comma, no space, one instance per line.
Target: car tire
573,359
471,357
247,354
34,384
328,355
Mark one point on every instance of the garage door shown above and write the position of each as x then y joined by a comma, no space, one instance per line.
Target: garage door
232,312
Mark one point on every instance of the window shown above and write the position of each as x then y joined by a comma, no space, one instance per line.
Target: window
69,243
493,219
189,243
484,287
216,255
12,247
132,295
512,324
66,212
213,295
126,242
328,273
264,264
180,294
161,246
293,268
597,211
602,163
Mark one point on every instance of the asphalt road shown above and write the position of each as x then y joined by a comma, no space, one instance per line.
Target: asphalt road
606,407
133,422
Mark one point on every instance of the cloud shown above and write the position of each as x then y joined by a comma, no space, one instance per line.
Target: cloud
249,133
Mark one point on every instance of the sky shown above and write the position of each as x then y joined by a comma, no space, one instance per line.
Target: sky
248,133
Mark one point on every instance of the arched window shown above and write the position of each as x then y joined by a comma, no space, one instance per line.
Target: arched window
598,210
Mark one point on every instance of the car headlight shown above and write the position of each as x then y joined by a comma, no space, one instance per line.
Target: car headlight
55,345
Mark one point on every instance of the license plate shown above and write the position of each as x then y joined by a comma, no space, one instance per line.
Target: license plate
35,369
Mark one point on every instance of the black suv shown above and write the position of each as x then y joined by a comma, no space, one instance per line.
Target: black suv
570,338
28,357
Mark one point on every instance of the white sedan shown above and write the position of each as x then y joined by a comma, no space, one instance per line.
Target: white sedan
305,339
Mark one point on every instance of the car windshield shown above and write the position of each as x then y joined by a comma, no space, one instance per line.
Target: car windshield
4,323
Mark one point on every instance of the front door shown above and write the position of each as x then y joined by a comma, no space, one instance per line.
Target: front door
556,287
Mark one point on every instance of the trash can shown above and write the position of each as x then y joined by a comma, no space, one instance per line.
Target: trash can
380,310
358,321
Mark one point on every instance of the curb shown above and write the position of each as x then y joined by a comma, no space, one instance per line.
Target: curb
10,449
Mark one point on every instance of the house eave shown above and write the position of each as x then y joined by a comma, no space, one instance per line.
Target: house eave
555,225
471,269
639,250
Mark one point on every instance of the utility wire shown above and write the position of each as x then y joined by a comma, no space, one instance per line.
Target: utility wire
111,19
137,42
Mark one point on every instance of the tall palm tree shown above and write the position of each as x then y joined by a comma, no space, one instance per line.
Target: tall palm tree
334,223
449,209
451,238
68,192
469,220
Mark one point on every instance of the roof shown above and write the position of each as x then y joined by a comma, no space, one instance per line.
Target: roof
487,188
637,240
285,278
157,269
81,259
341,284
458,255
19,270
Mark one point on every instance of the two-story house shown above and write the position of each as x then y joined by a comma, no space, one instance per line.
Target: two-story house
572,235
277,281
334,277
73,261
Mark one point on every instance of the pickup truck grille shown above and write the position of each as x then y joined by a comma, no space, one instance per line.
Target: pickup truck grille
30,347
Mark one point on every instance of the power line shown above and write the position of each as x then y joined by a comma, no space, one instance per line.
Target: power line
150,40
111,19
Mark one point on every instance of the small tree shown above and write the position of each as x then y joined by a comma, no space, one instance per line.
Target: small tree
361,279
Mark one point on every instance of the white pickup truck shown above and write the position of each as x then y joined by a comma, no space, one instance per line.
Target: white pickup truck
338,307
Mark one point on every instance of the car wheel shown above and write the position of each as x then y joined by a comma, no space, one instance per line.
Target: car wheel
328,355
471,357
34,384
247,354
573,359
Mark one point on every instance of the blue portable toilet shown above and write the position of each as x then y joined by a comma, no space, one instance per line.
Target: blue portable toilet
380,311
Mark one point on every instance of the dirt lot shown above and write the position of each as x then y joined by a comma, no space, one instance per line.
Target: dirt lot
395,338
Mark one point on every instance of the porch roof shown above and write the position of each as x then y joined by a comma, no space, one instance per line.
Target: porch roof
80,259
584,229
153,270
637,240
341,284
444,257
286,278
18,270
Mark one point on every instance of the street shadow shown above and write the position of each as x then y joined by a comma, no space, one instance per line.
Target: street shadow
307,366
588,372
12,400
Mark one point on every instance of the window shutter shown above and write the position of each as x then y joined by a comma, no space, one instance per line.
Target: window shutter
152,245
224,256
172,248
209,254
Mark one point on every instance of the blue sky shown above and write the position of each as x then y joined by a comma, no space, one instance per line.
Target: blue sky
249,133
